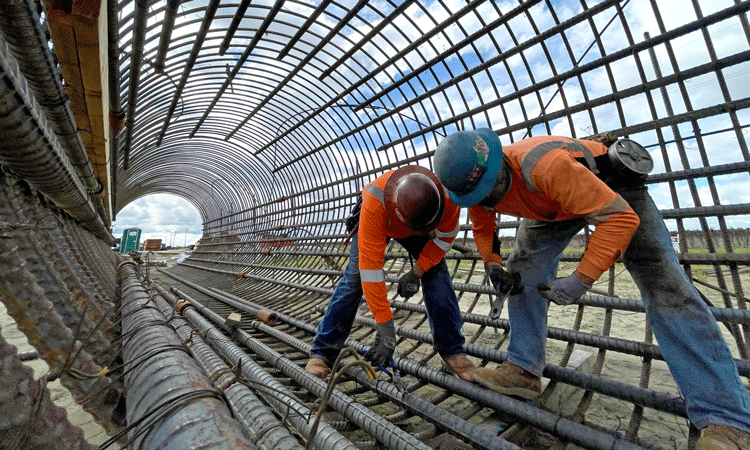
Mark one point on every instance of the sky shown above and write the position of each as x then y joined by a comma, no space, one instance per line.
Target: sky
175,221
161,216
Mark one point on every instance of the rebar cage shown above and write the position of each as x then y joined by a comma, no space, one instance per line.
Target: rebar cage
270,117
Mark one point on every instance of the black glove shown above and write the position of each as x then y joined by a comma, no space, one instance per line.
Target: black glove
503,281
381,351
408,284
563,291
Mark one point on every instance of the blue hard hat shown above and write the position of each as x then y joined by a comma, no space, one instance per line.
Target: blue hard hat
467,164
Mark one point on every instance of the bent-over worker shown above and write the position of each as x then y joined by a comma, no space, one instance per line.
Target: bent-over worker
558,186
409,205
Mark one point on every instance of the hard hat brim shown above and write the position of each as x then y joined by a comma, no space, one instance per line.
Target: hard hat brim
494,164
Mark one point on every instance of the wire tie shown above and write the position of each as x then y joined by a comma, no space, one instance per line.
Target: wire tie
237,369
216,375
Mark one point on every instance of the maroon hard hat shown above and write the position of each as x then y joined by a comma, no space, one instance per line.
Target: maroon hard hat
415,197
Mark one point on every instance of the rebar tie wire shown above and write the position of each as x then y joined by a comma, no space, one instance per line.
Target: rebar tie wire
332,383
158,413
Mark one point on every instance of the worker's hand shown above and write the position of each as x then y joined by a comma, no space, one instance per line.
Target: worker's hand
381,351
503,281
408,284
563,291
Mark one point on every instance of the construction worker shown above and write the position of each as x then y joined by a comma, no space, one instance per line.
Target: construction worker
408,205
558,186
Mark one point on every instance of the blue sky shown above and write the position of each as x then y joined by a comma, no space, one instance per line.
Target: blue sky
166,216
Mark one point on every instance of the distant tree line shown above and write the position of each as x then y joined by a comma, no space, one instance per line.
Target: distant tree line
737,237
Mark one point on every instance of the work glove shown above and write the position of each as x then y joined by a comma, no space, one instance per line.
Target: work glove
503,281
408,284
564,290
381,351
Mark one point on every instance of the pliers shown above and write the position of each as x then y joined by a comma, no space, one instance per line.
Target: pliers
498,303
395,377
504,290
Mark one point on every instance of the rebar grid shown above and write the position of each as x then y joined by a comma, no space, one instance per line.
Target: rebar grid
314,102
270,117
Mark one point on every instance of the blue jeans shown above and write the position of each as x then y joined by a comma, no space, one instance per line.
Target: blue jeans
439,298
688,334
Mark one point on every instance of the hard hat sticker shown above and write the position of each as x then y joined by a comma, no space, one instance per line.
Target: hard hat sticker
483,152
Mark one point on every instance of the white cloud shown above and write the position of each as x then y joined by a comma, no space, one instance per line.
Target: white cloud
161,216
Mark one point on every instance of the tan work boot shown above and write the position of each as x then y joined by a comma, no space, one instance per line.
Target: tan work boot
723,437
460,366
317,367
509,379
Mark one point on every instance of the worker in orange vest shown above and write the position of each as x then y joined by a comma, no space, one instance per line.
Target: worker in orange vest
558,186
409,205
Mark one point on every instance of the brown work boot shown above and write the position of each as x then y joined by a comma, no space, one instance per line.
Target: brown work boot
723,437
460,366
509,379
317,367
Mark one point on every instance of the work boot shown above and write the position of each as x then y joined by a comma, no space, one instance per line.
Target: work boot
510,379
317,367
723,437
460,366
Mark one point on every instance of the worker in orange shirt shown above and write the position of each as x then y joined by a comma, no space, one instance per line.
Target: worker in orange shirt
558,186
409,205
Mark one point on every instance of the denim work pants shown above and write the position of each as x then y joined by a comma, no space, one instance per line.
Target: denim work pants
688,334
439,298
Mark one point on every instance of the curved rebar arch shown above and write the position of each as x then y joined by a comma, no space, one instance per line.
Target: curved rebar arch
270,117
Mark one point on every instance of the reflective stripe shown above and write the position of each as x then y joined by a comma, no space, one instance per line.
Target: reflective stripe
536,153
376,192
439,238
372,276
442,245
613,208
440,234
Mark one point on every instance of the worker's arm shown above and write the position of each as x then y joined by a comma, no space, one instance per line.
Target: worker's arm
483,227
371,240
445,234
580,192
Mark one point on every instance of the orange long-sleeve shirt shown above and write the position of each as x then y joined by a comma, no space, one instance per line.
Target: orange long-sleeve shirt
375,228
563,189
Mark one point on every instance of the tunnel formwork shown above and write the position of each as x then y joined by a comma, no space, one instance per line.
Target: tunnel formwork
270,118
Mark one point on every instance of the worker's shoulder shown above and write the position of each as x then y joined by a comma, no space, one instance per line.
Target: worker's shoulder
451,208
556,146
531,142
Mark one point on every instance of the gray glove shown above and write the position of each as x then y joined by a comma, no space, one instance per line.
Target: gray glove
503,281
563,291
408,284
381,351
